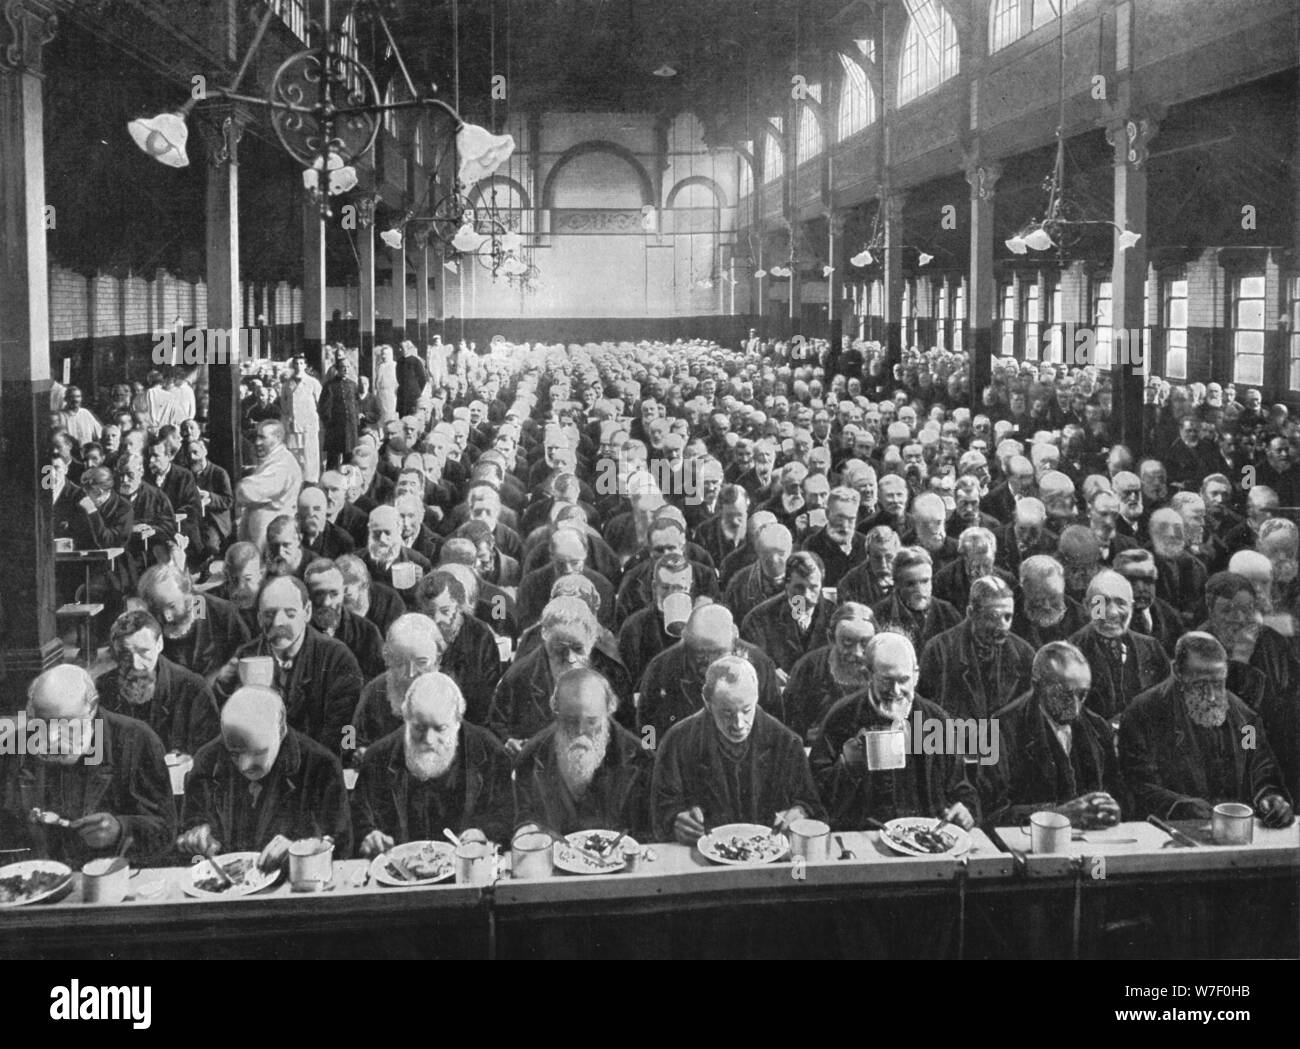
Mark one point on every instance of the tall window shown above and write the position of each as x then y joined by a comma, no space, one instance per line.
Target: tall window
1101,322
857,106
1029,311
941,312
1055,331
908,300
809,142
876,308
959,315
773,154
1175,325
1009,20
1248,330
930,52
1008,315
1293,349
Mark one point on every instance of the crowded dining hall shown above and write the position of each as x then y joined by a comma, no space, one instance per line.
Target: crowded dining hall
521,479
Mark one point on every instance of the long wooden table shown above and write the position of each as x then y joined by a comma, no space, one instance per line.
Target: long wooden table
530,917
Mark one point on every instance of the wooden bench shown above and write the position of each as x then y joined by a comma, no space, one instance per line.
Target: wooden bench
84,615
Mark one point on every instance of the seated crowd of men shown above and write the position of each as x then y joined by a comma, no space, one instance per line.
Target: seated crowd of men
668,587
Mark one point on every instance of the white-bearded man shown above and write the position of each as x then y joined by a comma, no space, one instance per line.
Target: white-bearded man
826,675
412,648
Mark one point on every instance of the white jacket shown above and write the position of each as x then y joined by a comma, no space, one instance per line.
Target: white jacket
266,493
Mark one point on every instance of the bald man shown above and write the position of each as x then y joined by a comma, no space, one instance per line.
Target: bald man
262,785
272,488
672,688
1123,662
437,772
321,537
386,549
764,578
102,771
316,675
411,648
584,771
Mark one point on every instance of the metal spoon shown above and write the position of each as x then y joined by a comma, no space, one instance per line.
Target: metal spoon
845,852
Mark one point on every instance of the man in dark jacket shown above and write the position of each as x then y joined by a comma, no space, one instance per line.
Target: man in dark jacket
584,771
790,625
412,377
200,631
1044,611
262,785
729,763
176,703
320,536
1053,753
106,775
339,410
330,616
217,497
436,772
317,676
1180,743
470,655
912,609
177,484
1123,663
978,666
153,522
826,675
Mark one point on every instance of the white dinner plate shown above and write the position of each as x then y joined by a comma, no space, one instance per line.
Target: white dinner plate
893,838
440,854
253,880
770,848
25,868
568,859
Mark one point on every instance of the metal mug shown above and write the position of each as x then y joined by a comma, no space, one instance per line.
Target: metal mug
886,749
178,766
1232,824
105,880
677,609
257,670
404,575
1049,832
532,854
475,862
810,840
311,863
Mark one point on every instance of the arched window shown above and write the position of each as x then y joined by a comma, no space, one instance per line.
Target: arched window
1009,20
857,101
810,141
773,154
930,52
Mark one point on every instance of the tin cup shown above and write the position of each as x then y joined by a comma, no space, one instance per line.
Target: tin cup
404,575
257,670
1049,832
105,880
532,854
677,609
178,766
886,749
311,864
1232,824
810,840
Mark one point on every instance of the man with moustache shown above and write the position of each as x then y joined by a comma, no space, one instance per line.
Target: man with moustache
385,549
200,631
977,551
411,648
929,530
796,621
872,581
262,785
893,506
1055,755
469,652
724,532
568,547
242,576
828,674
272,488
177,484
329,615
364,596
1181,577
927,785
97,519
1261,664
912,609
1103,520
416,535
320,536
1151,615
839,545
643,634
978,666
316,675
283,554
1123,662
153,523
176,703
216,496
102,771
1045,613
437,772
729,762
340,512
521,704
765,578
1080,555
1180,743
584,771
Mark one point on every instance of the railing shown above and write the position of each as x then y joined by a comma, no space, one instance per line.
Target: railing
293,13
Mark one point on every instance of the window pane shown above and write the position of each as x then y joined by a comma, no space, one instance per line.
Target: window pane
1250,288
1250,314
1177,313
1175,363
1249,342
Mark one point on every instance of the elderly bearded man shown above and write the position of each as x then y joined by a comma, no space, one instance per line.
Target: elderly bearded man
316,675
521,706
411,649
584,771
469,648
826,675
200,631
262,785
331,617
102,771
729,762
1123,662
176,703
912,609
1151,615
321,537
385,550
792,624
672,686
436,772
1045,612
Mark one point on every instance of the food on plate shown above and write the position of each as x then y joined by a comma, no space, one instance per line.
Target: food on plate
22,887
924,839
745,848
238,871
428,864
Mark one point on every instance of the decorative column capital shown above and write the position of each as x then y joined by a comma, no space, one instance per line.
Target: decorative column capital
1130,136
27,27
366,209
982,177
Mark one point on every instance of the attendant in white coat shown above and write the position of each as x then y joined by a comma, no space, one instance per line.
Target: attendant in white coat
299,395
386,384
272,488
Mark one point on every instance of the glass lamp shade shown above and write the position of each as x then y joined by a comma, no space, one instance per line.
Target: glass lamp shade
1127,239
163,137
924,260
827,270
511,243
1039,240
467,240
392,237
1016,245
481,153
862,258
760,274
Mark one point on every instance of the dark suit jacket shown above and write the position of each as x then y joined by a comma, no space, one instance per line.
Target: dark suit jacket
809,694
380,799
1145,666
837,563
687,773
362,638
334,541
474,662
634,592
521,703
940,616
131,782
619,792
323,688
950,673
216,482
535,594
1162,765
952,583
771,628
1166,625
306,799
670,693
181,491
183,710
1033,771
1074,620
216,637
149,506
